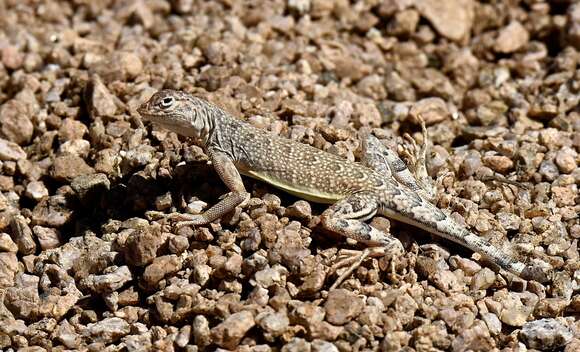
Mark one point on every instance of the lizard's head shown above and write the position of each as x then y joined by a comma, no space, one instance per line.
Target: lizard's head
179,112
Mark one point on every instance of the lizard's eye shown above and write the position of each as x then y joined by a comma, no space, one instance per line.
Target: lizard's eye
166,102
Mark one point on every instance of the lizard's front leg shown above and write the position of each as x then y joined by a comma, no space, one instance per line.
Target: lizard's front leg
228,173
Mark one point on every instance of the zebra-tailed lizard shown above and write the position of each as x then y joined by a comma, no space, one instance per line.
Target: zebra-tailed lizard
381,184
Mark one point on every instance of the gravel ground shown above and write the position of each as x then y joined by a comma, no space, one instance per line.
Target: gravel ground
88,262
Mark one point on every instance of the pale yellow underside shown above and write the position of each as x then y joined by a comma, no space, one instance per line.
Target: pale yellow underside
307,193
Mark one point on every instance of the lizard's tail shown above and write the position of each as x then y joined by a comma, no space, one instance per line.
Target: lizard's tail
420,213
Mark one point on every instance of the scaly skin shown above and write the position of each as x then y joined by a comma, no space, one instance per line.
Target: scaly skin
382,184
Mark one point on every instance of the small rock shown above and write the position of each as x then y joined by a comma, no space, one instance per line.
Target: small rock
452,18
6,243
564,196
8,269
405,307
300,6
475,335
273,323
550,307
131,64
499,163
178,244
509,221
404,23
323,346
52,211
101,101
511,38
89,187
468,266
78,147
107,330
201,332
182,339
297,344
22,235
66,334
12,58
163,202
566,160
342,306
68,166
573,31
545,334
515,313
108,282
15,124
493,323
141,246
271,276
36,190
10,151
431,110
71,129
159,268
300,210
230,332
48,238
483,279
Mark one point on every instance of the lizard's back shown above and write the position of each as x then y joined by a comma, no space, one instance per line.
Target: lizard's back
295,167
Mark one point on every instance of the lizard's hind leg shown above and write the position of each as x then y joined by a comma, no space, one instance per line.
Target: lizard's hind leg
388,163
347,216
417,158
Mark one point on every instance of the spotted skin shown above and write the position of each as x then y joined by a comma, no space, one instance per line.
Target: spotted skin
357,192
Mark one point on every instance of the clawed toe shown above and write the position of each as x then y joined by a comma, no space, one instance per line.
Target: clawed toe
182,220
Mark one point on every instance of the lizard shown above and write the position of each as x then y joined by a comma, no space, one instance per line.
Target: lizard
380,184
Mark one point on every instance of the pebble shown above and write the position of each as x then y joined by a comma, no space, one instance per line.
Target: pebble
8,269
342,306
499,163
102,102
431,110
67,167
566,160
511,38
230,332
36,190
452,19
273,323
300,210
160,268
545,334
483,280
12,58
15,123
10,151
47,237
107,330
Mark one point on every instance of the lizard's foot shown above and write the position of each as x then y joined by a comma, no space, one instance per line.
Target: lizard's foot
416,160
182,220
353,259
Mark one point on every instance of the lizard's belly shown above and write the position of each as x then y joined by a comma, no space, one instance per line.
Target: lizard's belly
304,192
